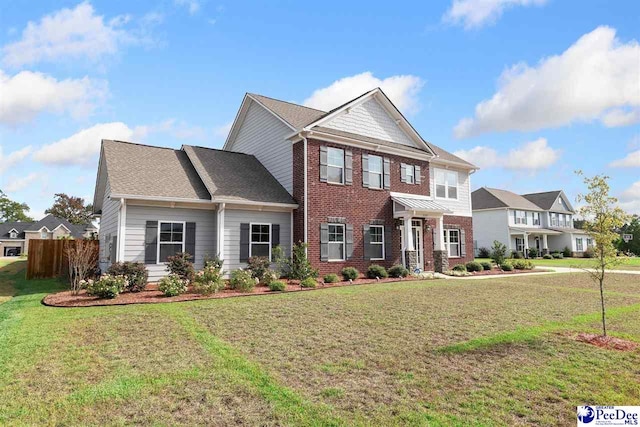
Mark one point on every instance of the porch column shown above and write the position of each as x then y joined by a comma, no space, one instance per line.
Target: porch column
545,246
526,245
410,254
440,256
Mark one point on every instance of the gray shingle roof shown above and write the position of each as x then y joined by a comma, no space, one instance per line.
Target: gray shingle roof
53,222
236,176
490,198
144,170
296,115
545,199
6,227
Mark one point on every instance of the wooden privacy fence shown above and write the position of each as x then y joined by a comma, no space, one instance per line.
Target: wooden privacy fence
48,258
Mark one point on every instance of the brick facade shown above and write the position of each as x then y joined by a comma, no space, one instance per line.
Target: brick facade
359,206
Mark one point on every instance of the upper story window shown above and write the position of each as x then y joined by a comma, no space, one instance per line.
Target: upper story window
44,235
554,220
535,216
446,184
13,234
519,217
409,174
170,239
335,165
375,172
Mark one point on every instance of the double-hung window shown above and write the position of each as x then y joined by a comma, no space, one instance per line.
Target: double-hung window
13,235
377,241
446,184
171,239
519,217
375,172
44,234
260,243
519,244
554,220
452,242
589,243
410,176
579,245
336,242
335,165
536,218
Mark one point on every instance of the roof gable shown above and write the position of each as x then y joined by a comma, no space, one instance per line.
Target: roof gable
491,198
551,201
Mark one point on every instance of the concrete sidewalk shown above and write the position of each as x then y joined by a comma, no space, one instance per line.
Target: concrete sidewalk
555,270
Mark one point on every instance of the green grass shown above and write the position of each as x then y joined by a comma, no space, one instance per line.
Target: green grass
492,352
627,263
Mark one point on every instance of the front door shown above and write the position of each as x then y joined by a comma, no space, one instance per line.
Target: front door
418,242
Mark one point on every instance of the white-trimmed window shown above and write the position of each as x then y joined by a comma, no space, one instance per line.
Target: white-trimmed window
410,174
335,165
336,244
44,234
535,216
519,217
170,239
446,184
519,244
579,244
260,240
589,242
377,241
13,234
375,172
452,242
554,220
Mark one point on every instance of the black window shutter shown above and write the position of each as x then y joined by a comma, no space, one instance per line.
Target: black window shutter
463,243
365,170
323,163
387,173
244,242
348,167
349,240
324,242
387,243
275,235
417,173
114,248
366,237
151,242
190,240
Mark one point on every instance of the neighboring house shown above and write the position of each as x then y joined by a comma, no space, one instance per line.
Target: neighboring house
539,220
358,184
15,236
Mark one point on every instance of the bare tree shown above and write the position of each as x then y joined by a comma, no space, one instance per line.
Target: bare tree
83,259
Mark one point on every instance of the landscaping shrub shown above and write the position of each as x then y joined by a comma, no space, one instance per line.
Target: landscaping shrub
486,265
473,266
135,273
181,265
297,266
309,282
484,253
517,255
589,253
557,255
213,262
106,286
258,266
242,280
350,273
522,264
331,278
459,267
398,271
208,280
498,252
533,252
376,271
505,266
172,285
547,256
277,286
269,276
566,252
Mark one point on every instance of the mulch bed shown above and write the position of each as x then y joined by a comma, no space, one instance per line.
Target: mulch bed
610,343
152,295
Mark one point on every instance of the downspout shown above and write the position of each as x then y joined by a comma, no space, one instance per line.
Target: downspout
122,230
306,191
221,209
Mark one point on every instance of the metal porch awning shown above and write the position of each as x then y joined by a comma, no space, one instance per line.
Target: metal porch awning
419,204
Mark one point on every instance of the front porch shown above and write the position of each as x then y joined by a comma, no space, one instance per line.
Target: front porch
521,240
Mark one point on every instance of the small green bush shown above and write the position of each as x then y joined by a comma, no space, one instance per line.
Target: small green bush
277,286
242,280
517,255
547,256
172,285
106,286
309,282
557,255
208,280
459,267
182,265
473,266
297,266
486,265
258,266
566,252
269,276
376,271
135,273
484,253
498,252
350,273
533,252
505,266
398,271
522,264
589,253
331,278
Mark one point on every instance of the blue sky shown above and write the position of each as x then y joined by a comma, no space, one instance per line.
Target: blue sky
530,90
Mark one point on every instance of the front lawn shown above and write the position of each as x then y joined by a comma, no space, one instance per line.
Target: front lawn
446,352
627,263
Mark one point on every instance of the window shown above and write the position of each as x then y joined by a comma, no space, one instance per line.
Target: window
44,234
589,243
554,220
170,240
375,172
13,234
260,243
410,174
519,217
536,218
336,242
452,242
377,242
446,184
335,165
519,244
579,245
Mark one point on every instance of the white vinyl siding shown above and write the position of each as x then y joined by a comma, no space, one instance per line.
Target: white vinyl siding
491,225
108,227
462,205
263,135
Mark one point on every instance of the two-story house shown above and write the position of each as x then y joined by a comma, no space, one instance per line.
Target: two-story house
538,220
357,184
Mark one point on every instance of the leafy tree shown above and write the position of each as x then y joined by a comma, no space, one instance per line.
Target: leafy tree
71,208
13,211
498,252
602,221
632,227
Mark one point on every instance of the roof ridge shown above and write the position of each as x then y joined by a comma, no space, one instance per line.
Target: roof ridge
286,102
141,144
218,149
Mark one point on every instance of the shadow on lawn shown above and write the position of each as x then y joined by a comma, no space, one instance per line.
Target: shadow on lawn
13,282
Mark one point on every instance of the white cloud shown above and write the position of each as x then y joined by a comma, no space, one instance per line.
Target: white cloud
70,33
477,13
595,79
531,156
28,93
630,199
632,160
15,157
20,183
223,131
402,90
193,6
